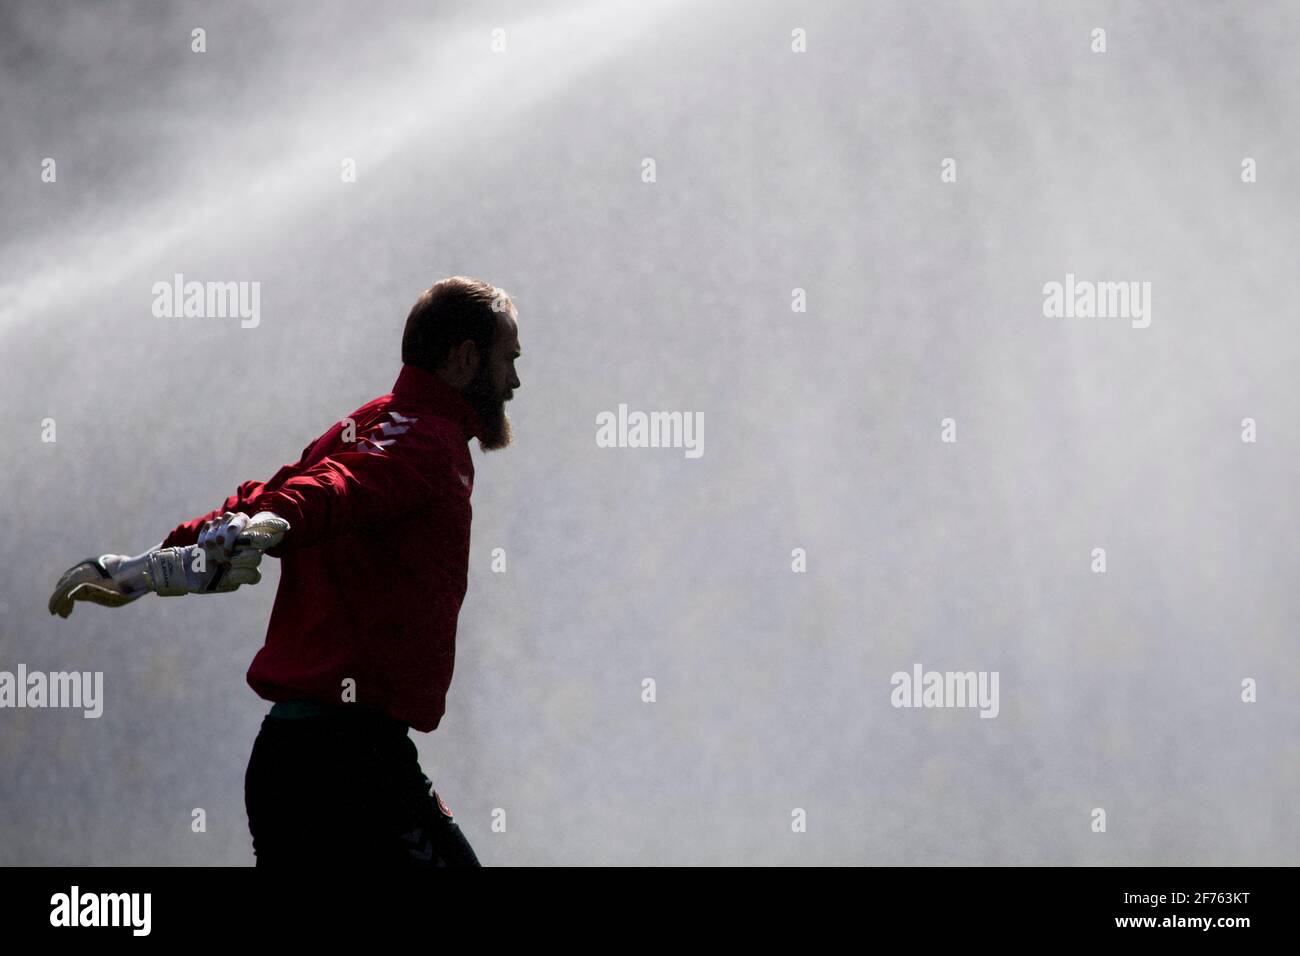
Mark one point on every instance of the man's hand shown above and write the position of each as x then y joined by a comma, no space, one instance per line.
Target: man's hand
227,556
110,580
221,536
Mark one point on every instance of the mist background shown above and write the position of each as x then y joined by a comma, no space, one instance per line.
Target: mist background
775,171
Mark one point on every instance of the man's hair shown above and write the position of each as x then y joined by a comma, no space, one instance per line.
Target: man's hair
446,314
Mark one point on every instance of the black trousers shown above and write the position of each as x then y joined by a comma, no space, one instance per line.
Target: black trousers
344,788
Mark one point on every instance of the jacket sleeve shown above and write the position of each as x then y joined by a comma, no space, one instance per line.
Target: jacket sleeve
351,490
187,532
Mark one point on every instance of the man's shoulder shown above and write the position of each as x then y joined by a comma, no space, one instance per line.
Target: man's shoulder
389,423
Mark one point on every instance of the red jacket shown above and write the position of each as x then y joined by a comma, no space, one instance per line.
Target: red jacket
375,563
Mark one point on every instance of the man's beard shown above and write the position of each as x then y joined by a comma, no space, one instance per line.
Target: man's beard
488,405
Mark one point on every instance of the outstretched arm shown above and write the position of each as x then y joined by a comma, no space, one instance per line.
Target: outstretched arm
359,489
226,556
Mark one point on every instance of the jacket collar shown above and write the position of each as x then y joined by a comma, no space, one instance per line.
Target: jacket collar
424,388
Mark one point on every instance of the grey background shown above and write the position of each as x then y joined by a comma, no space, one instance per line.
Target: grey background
775,171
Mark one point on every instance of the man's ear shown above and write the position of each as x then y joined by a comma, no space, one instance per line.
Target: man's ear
461,364
466,354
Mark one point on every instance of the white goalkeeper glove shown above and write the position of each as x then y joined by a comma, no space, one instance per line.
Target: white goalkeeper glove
227,556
